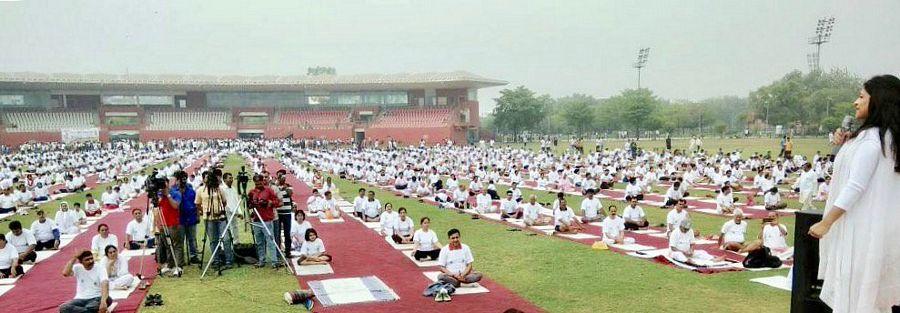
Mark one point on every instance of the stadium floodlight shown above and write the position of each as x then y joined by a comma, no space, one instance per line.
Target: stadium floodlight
643,53
812,59
823,35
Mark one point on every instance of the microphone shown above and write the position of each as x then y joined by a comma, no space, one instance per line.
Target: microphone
847,123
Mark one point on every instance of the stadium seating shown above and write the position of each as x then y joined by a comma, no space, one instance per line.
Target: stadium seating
316,119
188,121
413,118
19,122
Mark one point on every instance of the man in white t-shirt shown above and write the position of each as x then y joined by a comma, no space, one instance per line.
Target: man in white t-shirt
634,216
359,203
509,207
9,260
725,201
733,231
456,262
591,209
531,213
681,245
773,236
676,215
139,232
45,232
92,285
23,240
613,227
7,201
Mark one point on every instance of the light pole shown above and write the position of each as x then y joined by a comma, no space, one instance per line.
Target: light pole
823,35
641,63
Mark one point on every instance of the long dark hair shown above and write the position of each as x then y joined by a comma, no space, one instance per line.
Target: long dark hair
884,112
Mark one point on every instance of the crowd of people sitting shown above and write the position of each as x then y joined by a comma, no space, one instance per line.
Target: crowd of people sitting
450,175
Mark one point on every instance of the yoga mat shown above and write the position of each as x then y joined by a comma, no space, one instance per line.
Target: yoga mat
464,289
632,247
645,231
4,289
579,236
342,291
426,263
118,294
136,253
399,246
780,282
334,220
308,270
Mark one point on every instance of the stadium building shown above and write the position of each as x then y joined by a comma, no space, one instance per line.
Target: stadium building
406,107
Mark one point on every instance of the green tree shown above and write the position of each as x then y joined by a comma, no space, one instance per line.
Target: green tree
810,100
519,110
577,112
638,109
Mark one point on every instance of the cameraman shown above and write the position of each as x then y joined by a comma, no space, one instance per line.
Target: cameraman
182,196
168,223
212,203
264,201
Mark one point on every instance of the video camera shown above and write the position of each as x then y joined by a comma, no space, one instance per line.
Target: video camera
154,185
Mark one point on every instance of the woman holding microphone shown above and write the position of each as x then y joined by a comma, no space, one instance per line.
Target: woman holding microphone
858,249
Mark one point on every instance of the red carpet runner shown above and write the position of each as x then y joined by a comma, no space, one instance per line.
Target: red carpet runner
359,251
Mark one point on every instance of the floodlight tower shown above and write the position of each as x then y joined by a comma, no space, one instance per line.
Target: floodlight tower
823,35
641,62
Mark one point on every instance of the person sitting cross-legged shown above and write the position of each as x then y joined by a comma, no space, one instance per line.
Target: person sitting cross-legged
564,219
532,213
92,291
613,227
45,233
313,250
9,260
117,269
591,209
634,216
425,242
732,236
402,228
23,240
772,200
509,207
456,262
681,244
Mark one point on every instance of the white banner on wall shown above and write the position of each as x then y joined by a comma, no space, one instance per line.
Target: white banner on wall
79,134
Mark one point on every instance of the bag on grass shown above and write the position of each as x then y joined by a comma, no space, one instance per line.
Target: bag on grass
436,287
761,258
245,253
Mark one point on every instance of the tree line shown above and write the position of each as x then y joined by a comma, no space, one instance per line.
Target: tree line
803,104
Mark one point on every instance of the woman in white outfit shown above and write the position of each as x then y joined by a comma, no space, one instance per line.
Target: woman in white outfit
117,269
858,249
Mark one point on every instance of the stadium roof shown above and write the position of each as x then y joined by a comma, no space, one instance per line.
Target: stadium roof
400,81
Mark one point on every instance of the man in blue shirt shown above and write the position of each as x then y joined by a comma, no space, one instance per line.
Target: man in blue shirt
183,195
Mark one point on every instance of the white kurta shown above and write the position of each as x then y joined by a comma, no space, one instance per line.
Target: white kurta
857,258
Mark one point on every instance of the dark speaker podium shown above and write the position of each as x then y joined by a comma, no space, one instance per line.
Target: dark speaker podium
805,287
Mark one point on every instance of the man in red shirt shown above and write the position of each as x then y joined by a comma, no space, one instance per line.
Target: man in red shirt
168,223
263,200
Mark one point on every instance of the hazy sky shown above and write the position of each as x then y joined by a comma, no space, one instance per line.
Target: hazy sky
698,49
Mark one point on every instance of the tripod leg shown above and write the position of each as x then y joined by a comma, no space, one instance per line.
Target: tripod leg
203,248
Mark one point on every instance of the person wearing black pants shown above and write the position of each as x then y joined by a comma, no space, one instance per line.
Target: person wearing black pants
285,192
